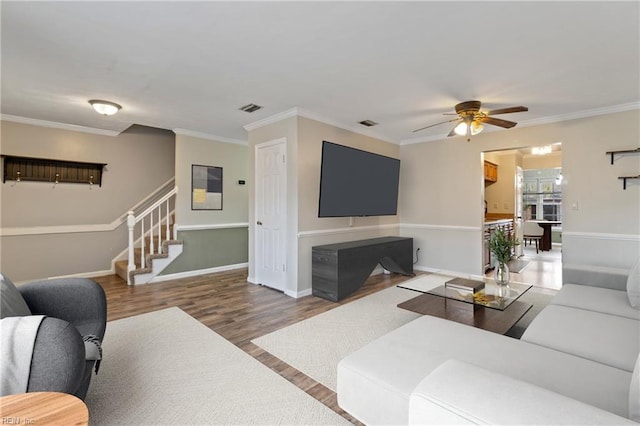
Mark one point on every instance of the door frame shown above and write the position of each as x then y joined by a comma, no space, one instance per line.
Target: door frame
256,246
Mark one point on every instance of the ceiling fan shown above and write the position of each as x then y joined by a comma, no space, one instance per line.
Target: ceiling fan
471,120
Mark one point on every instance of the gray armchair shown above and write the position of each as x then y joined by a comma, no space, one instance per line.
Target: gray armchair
67,345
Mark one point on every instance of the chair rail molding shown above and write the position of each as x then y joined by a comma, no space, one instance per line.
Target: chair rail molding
337,231
602,236
205,227
441,227
71,229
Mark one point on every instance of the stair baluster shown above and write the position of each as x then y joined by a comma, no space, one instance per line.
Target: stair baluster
142,241
151,245
133,220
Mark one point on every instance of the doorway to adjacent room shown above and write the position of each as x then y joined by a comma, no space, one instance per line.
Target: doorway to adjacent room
528,187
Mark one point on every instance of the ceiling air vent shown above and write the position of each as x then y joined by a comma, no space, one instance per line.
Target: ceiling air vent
250,108
368,123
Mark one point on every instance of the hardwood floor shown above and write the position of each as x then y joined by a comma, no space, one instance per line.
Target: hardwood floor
238,311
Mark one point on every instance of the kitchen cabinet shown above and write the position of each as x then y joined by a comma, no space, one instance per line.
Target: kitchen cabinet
490,172
489,228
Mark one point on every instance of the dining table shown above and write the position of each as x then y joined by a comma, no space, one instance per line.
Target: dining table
546,225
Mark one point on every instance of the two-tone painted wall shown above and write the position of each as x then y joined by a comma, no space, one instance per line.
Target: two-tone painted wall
442,205
69,229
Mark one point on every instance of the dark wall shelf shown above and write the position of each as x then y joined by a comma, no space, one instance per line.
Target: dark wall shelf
625,178
49,170
622,152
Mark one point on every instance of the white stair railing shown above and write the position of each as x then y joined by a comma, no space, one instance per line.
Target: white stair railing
153,215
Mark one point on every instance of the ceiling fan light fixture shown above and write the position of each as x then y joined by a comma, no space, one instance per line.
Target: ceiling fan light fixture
461,129
476,127
105,107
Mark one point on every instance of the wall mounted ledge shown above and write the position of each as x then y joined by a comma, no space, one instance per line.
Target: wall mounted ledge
50,170
622,152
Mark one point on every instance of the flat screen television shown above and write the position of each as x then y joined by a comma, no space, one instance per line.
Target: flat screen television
354,182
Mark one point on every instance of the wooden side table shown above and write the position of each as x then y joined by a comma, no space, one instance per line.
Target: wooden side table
43,408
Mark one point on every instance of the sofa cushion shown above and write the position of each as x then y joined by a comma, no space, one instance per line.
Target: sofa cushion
634,393
375,382
633,285
597,276
11,302
460,393
604,338
597,299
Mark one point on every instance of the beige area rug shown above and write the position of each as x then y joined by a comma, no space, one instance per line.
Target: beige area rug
165,367
316,345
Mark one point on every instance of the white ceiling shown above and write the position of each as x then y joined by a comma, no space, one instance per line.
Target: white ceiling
191,65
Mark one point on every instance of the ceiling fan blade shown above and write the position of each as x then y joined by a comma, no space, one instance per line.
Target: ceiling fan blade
498,122
437,124
508,110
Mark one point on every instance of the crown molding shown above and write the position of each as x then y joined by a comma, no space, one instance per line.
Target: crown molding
546,120
215,138
272,119
299,112
412,141
580,114
355,129
55,125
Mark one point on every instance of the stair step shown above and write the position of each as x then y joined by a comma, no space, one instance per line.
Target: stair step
121,266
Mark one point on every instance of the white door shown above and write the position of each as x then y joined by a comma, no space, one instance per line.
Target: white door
271,207
519,182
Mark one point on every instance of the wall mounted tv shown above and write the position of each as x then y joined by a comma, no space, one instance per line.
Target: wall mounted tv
357,183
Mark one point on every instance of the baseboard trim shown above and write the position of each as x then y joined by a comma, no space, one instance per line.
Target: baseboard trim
80,275
195,273
447,272
298,294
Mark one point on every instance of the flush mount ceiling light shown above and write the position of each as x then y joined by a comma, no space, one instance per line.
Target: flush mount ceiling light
105,107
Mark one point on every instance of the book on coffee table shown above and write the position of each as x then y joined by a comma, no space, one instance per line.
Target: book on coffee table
464,284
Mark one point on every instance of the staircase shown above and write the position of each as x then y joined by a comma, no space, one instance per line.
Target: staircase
155,246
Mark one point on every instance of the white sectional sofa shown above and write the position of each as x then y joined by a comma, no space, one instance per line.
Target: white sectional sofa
577,363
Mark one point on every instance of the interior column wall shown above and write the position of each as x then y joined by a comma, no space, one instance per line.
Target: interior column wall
312,230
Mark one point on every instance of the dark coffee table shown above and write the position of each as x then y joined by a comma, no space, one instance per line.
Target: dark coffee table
495,317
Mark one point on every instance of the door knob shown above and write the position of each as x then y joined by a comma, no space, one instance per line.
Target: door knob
259,223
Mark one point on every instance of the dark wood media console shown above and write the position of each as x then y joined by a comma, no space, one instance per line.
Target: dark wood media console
340,269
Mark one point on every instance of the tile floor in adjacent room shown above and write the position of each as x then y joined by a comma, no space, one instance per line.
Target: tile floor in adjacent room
545,269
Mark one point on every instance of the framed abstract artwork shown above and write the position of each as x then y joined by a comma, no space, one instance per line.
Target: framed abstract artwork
206,187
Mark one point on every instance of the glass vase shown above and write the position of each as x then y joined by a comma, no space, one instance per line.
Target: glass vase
501,274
